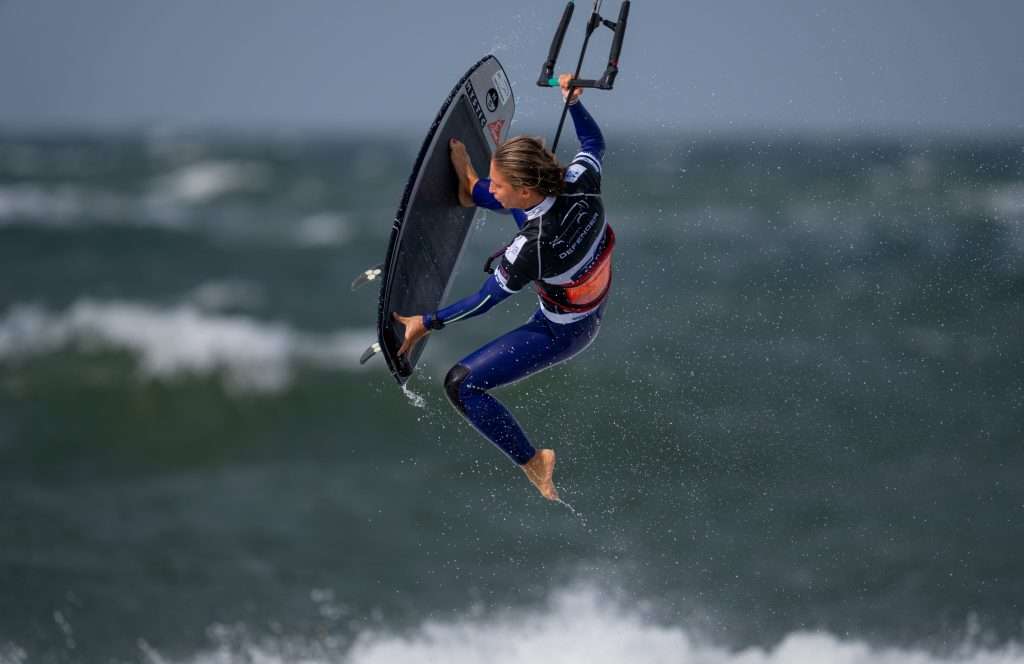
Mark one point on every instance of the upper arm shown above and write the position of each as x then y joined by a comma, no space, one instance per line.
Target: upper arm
584,173
483,197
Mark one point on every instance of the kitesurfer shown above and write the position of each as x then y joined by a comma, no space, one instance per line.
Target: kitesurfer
563,247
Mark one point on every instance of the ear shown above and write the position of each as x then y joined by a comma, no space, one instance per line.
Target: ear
522,195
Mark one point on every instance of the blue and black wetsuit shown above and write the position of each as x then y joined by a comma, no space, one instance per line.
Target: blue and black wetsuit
563,247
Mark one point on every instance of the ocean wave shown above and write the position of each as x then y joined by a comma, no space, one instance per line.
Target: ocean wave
166,201
74,207
250,355
227,294
206,180
579,625
583,625
1007,202
60,205
323,230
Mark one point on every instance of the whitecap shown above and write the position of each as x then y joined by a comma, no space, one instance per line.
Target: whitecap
205,180
54,206
579,625
323,230
227,294
71,206
1007,202
250,355
584,625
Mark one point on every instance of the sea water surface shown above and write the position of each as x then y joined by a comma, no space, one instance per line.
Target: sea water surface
797,439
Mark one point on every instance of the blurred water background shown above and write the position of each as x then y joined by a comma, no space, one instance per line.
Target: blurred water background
797,439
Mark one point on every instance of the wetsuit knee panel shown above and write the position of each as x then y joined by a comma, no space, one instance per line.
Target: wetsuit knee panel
453,385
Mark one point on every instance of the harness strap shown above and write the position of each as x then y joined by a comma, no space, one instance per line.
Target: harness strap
590,288
489,263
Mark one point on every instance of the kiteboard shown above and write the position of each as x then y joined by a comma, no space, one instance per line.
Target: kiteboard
430,227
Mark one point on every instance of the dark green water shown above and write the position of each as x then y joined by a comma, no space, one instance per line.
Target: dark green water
800,429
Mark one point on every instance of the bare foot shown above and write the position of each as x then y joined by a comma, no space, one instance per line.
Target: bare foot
463,171
540,470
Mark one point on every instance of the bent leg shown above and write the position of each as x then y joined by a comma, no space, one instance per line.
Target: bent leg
522,352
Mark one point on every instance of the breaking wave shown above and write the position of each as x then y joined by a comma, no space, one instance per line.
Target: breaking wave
579,625
250,354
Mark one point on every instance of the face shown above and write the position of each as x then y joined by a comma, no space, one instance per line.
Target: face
511,196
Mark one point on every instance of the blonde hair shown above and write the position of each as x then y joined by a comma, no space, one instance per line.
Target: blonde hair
525,162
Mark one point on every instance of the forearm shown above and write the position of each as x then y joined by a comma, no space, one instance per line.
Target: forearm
469,180
476,304
589,134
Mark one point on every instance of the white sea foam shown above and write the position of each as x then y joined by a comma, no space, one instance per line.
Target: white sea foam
59,205
166,203
1007,202
415,399
580,625
231,293
584,626
69,206
12,654
323,229
169,204
205,180
249,354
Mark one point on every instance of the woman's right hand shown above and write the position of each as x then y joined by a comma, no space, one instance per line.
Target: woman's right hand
563,82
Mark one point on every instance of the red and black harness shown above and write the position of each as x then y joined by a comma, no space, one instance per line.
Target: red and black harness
583,293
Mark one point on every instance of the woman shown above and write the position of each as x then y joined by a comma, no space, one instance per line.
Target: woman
563,246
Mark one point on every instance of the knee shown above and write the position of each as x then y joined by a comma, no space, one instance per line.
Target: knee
453,385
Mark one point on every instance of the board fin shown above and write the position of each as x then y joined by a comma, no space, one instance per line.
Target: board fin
366,276
368,353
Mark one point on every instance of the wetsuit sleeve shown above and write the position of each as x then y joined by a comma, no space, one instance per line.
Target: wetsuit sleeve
583,175
478,303
483,197
589,134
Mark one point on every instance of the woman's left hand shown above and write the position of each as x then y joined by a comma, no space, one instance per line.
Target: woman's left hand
414,331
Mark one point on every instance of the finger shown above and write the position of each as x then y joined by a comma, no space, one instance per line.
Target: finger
407,345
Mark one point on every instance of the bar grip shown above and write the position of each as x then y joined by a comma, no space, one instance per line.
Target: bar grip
574,83
600,84
548,70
